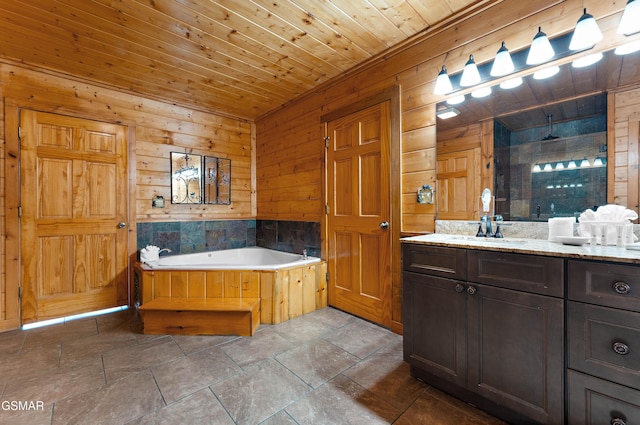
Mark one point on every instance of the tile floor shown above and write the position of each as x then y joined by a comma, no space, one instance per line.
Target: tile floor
327,367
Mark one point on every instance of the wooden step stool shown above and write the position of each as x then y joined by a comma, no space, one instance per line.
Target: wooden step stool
201,316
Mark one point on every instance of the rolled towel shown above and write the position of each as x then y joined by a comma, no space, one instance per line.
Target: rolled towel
149,254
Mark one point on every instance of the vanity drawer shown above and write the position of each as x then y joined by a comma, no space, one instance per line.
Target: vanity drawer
613,285
604,342
596,401
435,260
522,272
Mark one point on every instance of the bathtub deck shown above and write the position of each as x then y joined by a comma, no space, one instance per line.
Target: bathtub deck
210,316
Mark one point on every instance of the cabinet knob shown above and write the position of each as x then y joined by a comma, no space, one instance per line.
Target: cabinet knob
471,290
617,421
459,287
621,348
621,288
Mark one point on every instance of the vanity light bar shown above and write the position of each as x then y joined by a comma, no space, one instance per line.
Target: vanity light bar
585,35
565,165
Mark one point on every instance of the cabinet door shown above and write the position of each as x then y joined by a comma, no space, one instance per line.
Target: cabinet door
604,342
434,326
516,344
596,401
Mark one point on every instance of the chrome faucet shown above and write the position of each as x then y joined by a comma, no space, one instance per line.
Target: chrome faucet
304,254
167,250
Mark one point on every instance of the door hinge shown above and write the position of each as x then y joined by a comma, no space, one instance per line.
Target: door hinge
326,209
327,277
326,141
19,212
19,292
19,133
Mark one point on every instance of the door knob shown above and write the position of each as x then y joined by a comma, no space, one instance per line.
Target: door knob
122,225
384,225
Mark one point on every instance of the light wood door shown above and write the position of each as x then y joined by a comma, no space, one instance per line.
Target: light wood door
73,186
359,213
457,185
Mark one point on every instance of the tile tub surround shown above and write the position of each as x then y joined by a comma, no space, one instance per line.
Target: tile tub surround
200,236
326,367
289,236
187,237
510,229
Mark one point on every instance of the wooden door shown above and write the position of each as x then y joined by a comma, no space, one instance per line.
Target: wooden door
358,167
457,187
73,186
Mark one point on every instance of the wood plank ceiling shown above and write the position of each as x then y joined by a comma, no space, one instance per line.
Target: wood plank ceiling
242,58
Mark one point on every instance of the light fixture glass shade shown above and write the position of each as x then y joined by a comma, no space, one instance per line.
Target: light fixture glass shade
547,167
572,165
628,48
540,50
587,60
536,168
470,74
480,93
630,21
511,84
502,64
443,83
585,163
586,34
559,166
546,73
456,100
447,113
598,162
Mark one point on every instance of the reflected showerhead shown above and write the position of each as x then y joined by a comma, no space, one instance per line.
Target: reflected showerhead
550,136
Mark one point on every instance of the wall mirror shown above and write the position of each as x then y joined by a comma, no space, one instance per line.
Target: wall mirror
217,180
186,180
555,123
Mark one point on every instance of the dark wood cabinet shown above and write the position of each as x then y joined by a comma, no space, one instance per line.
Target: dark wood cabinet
501,347
436,340
600,402
515,351
603,334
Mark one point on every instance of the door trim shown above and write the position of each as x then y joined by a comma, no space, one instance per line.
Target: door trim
392,95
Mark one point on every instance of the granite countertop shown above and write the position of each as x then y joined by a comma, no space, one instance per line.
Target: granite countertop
529,246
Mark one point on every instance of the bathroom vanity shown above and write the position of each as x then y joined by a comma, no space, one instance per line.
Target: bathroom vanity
528,330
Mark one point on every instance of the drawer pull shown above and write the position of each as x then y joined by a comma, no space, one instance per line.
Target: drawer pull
617,421
621,348
621,288
471,290
459,287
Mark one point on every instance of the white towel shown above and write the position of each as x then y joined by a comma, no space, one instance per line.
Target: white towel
607,215
149,254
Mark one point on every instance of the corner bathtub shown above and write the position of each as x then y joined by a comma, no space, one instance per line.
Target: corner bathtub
288,285
253,258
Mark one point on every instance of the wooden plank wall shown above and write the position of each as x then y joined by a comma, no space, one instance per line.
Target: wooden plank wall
290,151
155,129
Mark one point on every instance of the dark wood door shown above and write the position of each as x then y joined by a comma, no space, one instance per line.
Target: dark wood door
435,326
516,345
